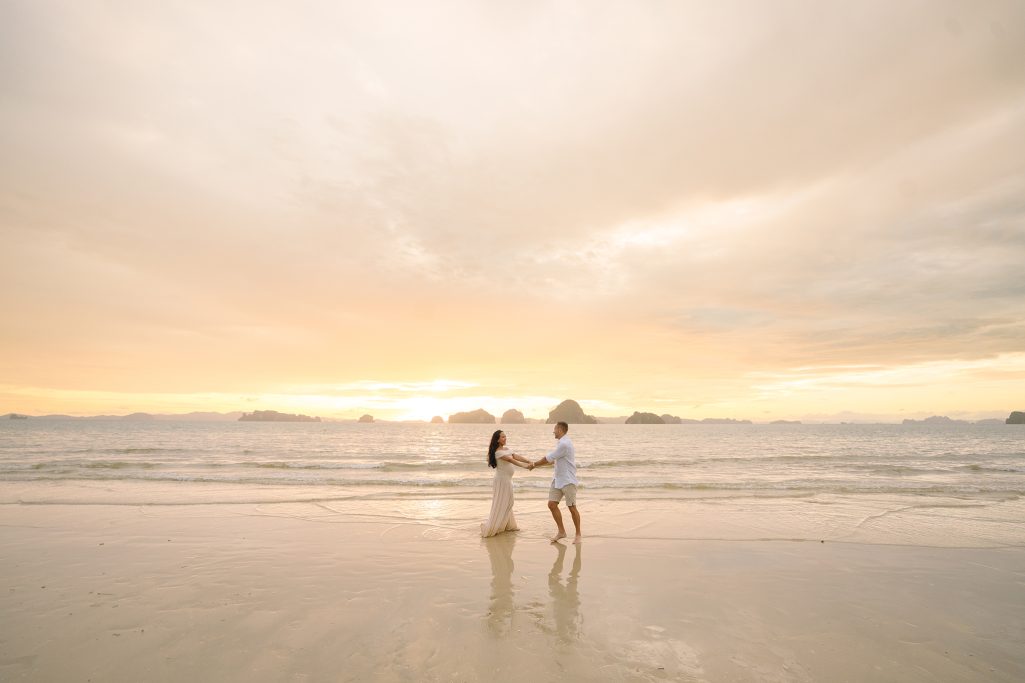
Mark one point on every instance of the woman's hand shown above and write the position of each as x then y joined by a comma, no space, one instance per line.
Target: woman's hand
530,466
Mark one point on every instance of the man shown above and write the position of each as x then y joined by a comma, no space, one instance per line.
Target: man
564,485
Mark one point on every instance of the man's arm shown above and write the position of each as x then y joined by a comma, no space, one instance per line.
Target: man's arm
554,455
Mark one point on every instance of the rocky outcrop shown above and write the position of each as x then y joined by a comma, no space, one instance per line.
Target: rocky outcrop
202,416
674,420
479,416
644,419
1016,418
513,417
936,420
570,412
275,416
366,419
437,420
16,416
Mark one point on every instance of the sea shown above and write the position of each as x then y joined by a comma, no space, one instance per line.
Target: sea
963,460
698,537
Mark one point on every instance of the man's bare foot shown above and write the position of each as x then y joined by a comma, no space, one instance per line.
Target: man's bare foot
577,539
559,536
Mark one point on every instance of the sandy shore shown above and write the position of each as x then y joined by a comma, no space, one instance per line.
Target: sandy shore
311,591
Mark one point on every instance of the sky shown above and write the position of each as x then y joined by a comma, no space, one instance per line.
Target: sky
759,210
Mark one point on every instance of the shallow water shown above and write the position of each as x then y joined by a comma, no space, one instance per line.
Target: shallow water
985,461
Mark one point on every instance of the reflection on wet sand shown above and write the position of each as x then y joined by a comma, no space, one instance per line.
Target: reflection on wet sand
564,620
565,598
500,612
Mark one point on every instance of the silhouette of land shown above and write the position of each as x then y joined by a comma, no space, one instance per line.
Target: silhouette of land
275,416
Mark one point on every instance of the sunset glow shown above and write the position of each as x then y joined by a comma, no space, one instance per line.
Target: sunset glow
762,211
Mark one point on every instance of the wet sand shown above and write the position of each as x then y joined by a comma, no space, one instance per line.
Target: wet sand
312,591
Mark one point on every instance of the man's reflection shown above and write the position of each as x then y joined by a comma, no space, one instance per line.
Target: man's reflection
565,599
500,551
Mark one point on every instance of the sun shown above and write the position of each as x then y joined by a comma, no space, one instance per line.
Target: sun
422,408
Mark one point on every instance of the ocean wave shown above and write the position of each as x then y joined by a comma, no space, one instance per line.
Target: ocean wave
268,465
79,475
303,466
895,470
216,459
484,483
71,465
921,470
658,462
992,468
137,450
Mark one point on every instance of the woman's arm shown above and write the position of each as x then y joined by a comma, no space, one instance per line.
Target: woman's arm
526,461
516,460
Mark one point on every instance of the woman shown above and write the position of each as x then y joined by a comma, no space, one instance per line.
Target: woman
503,461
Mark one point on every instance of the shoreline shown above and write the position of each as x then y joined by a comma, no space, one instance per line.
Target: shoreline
298,591
942,520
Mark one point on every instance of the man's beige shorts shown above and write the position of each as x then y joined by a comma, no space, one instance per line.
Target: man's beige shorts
569,491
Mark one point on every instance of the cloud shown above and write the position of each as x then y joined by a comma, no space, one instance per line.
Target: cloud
316,194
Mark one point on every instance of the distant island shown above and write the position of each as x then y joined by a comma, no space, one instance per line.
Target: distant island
275,416
672,420
644,419
1015,418
180,417
513,417
936,420
479,416
722,421
570,412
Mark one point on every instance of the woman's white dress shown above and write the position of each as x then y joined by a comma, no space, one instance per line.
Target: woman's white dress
501,518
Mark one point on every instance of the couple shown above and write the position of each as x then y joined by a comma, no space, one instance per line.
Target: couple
563,485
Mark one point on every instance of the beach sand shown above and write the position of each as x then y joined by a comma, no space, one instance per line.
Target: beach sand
379,590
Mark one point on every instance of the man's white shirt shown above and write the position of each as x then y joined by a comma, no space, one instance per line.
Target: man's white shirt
564,457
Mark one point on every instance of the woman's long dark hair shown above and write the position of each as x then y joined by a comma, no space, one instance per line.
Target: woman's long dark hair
492,461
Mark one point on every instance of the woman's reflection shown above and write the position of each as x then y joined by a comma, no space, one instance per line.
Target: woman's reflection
500,550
